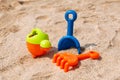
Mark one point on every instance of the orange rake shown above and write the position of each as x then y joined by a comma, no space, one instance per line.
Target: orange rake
66,60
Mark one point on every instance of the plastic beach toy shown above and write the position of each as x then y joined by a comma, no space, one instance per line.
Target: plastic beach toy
66,60
38,43
69,40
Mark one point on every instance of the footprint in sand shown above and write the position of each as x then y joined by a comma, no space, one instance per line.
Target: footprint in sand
64,9
42,17
41,76
14,29
6,30
116,39
59,22
118,78
6,25
46,6
109,2
23,60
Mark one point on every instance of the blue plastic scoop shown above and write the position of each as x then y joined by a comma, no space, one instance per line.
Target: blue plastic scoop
69,40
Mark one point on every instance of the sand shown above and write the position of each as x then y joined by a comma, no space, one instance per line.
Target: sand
97,28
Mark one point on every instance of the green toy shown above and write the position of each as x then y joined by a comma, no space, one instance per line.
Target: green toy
38,42
38,37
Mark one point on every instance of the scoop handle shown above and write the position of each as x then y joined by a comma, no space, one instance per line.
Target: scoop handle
90,54
70,21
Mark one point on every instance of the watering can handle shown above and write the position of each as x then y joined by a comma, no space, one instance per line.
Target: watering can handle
70,21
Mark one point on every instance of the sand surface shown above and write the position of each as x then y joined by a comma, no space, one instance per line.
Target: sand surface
97,27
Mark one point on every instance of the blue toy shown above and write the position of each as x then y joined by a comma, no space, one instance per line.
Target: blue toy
69,40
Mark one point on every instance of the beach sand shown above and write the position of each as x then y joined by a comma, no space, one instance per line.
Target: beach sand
97,28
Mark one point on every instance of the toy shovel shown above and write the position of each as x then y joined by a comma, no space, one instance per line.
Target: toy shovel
69,40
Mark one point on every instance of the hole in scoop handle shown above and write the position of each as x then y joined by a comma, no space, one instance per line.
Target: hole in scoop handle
70,21
71,12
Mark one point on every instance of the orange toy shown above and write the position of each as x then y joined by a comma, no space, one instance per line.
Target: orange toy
38,43
65,60
36,50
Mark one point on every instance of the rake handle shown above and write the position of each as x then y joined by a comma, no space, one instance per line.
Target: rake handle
90,54
70,22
